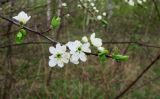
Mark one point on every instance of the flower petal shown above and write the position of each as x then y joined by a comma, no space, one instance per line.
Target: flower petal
97,42
65,57
85,47
82,56
60,63
74,59
52,63
52,50
60,48
71,46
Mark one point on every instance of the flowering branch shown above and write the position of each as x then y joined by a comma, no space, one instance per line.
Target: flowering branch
77,50
41,34
26,28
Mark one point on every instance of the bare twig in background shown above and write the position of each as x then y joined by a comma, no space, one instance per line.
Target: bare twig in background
33,31
145,84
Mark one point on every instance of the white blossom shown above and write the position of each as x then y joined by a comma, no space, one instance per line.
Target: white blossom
104,14
64,4
79,6
85,4
68,15
139,1
92,4
131,2
84,39
99,17
59,56
97,11
78,50
22,17
97,42
94,8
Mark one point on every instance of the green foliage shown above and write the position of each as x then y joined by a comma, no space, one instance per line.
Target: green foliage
104,22
55,22
120,57
102,55
20,36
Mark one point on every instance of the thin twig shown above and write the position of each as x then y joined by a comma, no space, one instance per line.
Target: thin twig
33,31
137,78
146,83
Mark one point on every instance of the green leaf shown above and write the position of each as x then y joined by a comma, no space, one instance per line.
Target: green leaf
55,22
23,32
104,22
20,36
102,55
120,57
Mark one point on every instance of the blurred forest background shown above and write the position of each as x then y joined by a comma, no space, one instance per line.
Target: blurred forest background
133,30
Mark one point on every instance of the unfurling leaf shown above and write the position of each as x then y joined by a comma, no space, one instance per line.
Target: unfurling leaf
55,22
120,57
102,55
20,36
23,32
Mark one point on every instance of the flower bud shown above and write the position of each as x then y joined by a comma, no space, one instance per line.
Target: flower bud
101,49
84,39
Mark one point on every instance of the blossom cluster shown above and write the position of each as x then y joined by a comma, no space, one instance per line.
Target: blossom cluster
132,2
91,4
73,51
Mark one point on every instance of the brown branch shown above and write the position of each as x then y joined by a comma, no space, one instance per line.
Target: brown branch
146,83
26,28
138,77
